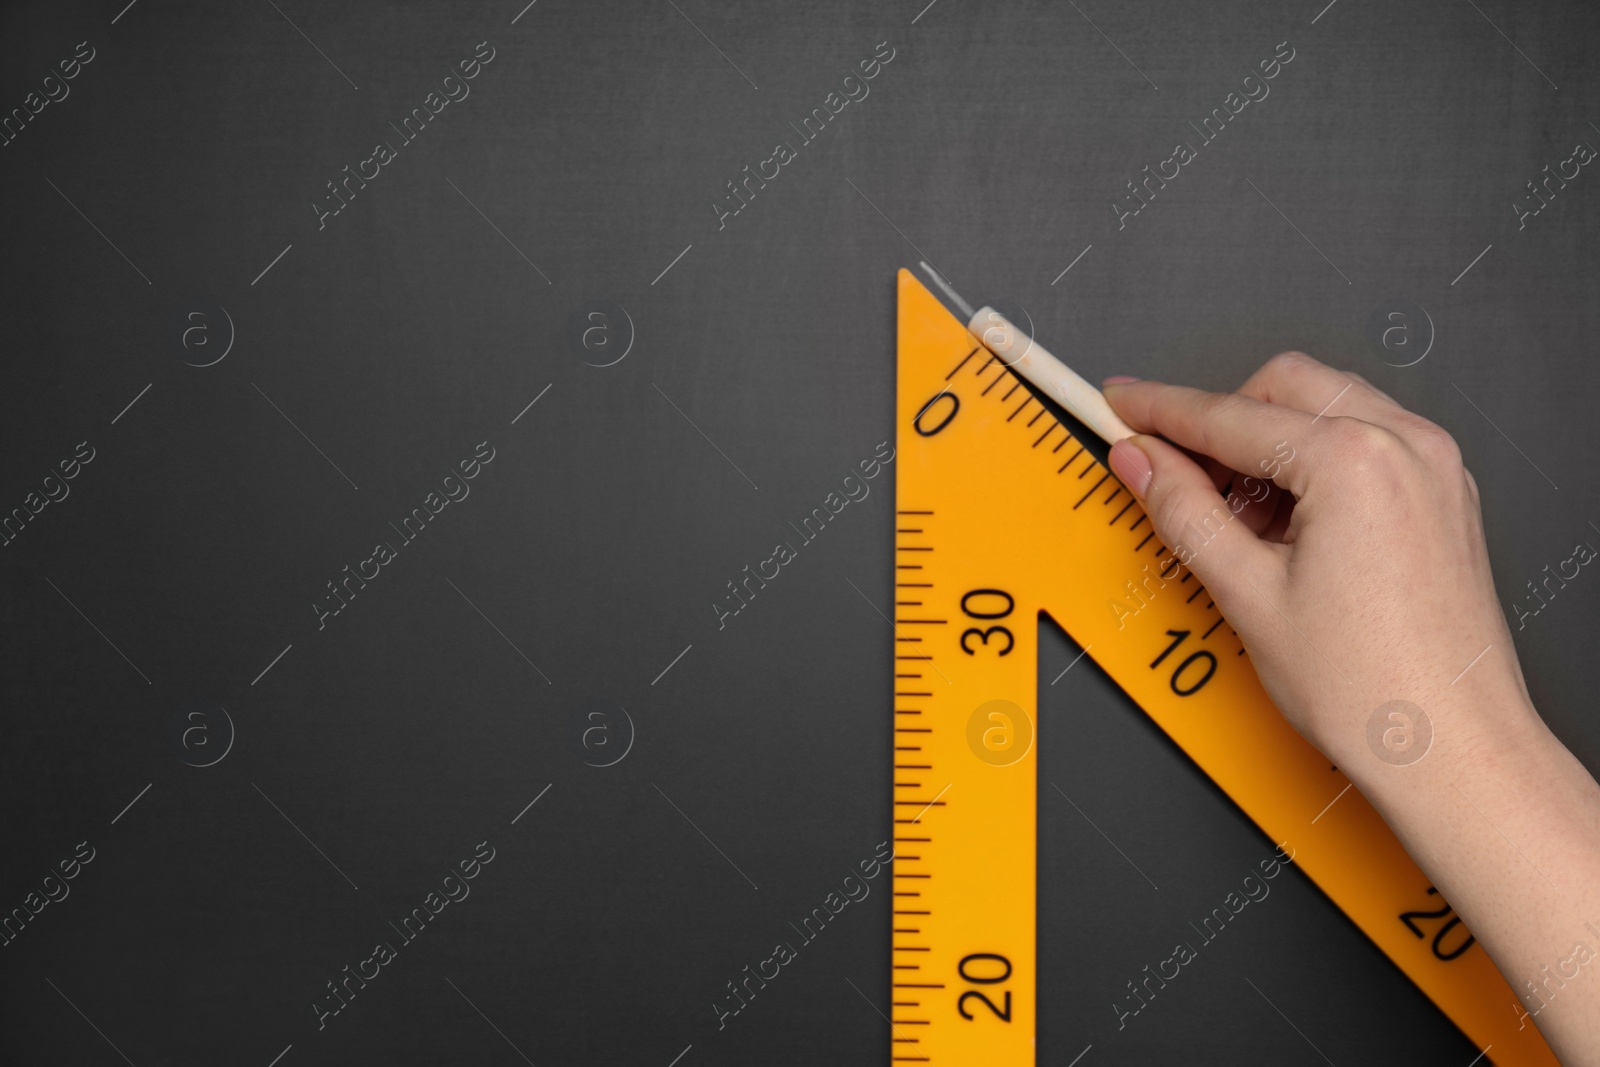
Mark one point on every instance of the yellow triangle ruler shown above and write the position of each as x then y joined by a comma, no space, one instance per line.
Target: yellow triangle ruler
1001,516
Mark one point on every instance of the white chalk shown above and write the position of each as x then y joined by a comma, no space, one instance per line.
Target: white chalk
1031,360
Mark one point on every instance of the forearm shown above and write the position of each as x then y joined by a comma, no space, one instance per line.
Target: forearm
1506,822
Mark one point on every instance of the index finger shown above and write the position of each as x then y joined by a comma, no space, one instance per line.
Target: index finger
1247,434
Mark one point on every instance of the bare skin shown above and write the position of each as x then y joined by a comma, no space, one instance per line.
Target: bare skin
1370,543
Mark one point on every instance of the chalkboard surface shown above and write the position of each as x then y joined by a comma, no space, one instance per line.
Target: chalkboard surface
392,390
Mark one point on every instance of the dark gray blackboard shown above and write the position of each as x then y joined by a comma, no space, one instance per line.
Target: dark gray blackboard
372,351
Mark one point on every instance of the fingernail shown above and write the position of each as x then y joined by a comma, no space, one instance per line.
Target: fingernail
1132,466
1118,379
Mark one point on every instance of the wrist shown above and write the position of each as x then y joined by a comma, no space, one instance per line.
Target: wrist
1488,730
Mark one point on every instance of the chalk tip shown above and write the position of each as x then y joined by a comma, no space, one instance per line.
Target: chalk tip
945,287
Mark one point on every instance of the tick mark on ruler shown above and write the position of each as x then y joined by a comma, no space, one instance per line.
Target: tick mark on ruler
885,1018
891,622
1092,488
963,363
934,801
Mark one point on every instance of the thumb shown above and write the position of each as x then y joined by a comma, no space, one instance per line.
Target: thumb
1197,523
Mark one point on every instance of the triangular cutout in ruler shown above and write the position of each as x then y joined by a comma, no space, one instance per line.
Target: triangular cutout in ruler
1002,515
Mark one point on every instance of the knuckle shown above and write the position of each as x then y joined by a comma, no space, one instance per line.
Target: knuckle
1301,364
1215,408
1285,362
1436,447
1212,410
1284,367
1213,405
1363,447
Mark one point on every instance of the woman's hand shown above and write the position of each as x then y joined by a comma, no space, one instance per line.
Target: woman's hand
1341,537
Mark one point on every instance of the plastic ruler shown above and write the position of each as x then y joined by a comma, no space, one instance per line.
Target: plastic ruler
1002,515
